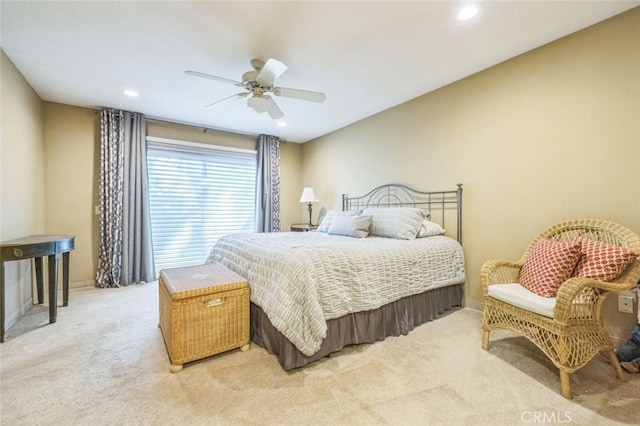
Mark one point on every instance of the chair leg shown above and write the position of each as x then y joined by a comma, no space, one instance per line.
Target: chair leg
613,360
485,340
565,384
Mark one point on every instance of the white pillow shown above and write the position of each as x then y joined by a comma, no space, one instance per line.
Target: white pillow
396,222
325,223
429,229
350,226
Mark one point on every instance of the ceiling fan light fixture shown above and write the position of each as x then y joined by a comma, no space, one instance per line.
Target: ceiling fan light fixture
258,83
258,104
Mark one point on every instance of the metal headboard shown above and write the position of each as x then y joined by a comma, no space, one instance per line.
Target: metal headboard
438,203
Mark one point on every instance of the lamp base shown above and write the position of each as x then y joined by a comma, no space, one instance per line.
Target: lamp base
309,208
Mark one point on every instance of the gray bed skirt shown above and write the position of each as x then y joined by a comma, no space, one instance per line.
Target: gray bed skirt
394,319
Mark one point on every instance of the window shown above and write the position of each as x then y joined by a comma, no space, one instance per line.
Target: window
197,193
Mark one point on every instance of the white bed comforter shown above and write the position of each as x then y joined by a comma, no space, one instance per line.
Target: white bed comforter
302,279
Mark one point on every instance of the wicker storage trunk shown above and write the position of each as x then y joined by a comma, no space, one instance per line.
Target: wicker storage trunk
204,310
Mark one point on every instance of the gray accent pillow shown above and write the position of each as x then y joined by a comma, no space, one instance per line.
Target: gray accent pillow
325,223
429,229
402,223
350,226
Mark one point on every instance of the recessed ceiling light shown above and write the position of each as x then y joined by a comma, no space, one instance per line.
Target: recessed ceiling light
467,12
282,124
130,92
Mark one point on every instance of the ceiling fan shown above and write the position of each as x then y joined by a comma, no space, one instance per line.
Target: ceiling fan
258,83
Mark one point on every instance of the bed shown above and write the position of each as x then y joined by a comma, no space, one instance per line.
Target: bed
384,264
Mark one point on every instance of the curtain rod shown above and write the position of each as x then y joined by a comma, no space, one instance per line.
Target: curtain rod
203,128
195,126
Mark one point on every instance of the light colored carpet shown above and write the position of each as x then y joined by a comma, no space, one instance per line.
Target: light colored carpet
104,362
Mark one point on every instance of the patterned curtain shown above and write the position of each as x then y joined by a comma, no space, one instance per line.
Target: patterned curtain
110,203
125,252
268,184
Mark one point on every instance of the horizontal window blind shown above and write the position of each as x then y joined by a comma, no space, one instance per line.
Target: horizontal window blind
197,194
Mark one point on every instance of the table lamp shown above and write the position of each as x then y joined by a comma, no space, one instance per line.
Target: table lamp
309,198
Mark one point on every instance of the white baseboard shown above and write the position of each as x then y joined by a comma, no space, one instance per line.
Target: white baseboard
81,284
618,341
14,316
475,305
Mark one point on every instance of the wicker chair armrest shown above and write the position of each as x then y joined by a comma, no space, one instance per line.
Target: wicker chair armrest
499,272
570,291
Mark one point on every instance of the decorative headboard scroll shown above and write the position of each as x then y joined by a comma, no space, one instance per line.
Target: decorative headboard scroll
440,204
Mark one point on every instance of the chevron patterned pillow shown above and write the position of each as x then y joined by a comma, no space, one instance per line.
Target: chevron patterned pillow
549,264
603,262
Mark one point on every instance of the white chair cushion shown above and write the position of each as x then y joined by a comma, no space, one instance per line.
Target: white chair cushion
517,295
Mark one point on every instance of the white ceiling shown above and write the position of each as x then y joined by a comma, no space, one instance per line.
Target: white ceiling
366,56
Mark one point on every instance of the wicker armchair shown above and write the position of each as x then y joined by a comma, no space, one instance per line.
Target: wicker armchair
574,333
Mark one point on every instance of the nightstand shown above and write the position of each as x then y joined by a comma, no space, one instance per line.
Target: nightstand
303,227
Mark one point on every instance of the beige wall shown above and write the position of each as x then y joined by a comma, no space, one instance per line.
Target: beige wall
551,135
71,158
22,166
290,184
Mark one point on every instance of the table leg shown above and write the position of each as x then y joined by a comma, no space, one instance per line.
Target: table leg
65,279
39,280
1,301
53,288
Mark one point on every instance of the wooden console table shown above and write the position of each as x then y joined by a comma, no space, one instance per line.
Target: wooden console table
36,247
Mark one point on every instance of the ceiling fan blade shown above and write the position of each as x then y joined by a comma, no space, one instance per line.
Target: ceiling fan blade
273,111
305,95
271,71
229,99
213,77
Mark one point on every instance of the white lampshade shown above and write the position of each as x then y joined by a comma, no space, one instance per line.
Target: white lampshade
308,196
258,104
